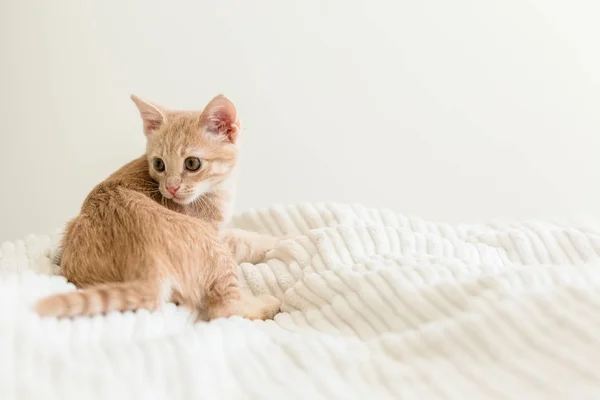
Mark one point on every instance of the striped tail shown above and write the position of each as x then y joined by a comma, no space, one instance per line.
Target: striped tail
100,299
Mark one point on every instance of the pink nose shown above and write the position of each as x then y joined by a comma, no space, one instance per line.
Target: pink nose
172,189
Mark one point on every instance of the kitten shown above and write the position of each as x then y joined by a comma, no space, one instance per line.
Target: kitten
152,233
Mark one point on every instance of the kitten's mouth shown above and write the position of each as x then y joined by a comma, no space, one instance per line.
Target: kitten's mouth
173,197
179,199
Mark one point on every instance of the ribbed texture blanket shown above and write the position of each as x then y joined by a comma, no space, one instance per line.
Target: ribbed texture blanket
376,305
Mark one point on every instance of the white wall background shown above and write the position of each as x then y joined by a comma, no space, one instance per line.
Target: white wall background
453,110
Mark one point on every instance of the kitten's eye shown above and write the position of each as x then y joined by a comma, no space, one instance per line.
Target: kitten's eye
158,164
193,164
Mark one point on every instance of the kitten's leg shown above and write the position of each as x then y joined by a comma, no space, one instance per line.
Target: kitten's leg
263,307
248,246
225,298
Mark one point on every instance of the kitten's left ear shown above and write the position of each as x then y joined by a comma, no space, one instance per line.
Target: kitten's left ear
220,118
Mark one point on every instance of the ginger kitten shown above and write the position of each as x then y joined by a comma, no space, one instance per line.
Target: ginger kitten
152,233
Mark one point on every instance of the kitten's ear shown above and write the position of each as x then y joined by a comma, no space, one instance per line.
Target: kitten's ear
220,118
152,115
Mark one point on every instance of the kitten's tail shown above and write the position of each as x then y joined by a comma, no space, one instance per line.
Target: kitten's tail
100,299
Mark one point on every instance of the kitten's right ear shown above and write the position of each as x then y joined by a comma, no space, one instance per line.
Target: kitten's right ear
152,115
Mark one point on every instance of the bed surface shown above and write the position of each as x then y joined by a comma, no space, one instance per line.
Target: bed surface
376,305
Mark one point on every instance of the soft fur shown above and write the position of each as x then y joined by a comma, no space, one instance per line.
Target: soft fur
152,231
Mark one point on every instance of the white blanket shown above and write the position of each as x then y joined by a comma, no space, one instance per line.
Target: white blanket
375,306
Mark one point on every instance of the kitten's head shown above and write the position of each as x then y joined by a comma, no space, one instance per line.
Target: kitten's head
190,152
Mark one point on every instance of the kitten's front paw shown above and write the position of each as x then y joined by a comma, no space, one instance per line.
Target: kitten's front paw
269,243
262,246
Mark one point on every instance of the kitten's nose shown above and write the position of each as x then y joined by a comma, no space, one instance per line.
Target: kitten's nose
172,189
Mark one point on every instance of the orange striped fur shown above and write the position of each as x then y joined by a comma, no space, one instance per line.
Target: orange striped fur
135,244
